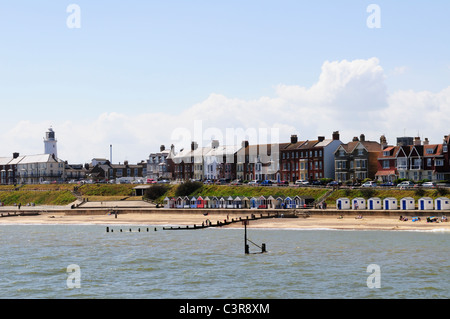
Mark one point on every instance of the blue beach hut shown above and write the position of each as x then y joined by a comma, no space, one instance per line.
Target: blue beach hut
390,203
442,203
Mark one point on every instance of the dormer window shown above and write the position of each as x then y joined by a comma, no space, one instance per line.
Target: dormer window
386,153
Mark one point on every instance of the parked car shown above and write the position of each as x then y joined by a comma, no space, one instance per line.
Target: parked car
301,182
236,182
369,184
253,182
208,182
163,181
266,183
334,183
405,184
429,185
283,183
151,181
388,184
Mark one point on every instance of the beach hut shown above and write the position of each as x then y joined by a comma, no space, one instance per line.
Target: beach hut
262,202
343,203
407,203
442,203
358,203
425,203
214,202
169,202
200,202
193,202
179,202
245,202
222,202
298,202
271,202
390,203
253,203
229,202
278,202
288,202
206,202
237,202
374,203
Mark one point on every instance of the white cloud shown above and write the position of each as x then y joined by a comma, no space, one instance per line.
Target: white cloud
349,96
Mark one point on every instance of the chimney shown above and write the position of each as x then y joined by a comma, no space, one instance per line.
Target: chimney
294,139
162,148
362,137
194,146
321,138
383,142
214,143
417,141
244,144
336,135
15,155
355,139
426,142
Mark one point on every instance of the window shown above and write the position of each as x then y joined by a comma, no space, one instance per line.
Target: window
439,162
386,164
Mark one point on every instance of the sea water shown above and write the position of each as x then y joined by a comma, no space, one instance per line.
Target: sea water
37,261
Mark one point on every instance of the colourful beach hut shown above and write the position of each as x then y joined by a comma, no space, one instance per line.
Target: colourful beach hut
374,203
200,202
253,203
390,203
271,202
425,203
407,203
262,202
193,202
442,203
279,202
288,202
179,202
343,203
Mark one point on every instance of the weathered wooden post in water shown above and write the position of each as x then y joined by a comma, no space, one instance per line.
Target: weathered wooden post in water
245,222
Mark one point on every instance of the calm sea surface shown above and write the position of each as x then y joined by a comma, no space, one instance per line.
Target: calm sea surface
211,263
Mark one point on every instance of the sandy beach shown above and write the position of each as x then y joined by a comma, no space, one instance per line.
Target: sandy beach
168,218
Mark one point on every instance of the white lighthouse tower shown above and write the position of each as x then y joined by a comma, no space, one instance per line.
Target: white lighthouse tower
50,143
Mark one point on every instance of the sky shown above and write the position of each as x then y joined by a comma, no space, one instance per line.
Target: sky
140,74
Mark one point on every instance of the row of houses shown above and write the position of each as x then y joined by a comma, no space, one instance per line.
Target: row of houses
237,202
308,160
391,203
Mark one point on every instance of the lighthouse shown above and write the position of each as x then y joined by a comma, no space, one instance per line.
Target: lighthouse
50,143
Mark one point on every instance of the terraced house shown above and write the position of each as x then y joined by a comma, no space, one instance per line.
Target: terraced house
310,159
356,160
415,160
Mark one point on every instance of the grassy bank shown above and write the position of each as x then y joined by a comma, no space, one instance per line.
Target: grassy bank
41,197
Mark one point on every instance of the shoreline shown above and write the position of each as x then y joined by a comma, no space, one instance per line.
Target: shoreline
330,221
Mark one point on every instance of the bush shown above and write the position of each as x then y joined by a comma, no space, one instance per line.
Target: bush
419,192
367,192
156,191
441,191
187,188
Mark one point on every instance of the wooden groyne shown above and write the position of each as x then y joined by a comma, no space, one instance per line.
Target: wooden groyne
15,214
226,222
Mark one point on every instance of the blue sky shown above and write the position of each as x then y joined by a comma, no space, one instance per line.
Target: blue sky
146,57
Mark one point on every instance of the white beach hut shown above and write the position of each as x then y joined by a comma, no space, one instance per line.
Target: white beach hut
169,202
343,203
374,203
407,203
237,202
230,202
390,203
442,203
425,203
358,203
